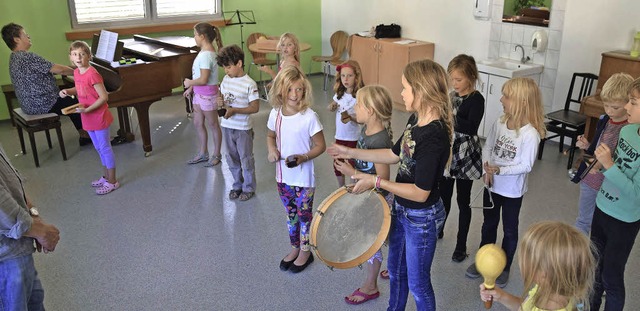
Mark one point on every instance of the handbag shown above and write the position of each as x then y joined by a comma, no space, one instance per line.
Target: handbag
387,31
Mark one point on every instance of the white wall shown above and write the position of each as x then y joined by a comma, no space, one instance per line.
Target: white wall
447,23
591,28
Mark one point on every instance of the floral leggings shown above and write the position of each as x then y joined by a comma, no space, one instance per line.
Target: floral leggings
298,202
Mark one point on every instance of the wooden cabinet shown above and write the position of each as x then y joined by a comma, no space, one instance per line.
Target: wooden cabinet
382,61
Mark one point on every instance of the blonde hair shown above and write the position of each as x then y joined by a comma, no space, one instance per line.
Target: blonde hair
283,81
616,89
635,86
80,45
526,104
467,66
559,258
377,99
210,32
294,40
338,88
430,85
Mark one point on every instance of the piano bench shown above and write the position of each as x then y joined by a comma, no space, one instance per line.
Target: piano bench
37,123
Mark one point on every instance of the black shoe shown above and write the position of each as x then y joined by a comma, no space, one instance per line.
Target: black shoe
118,140
459,256
83,141
441,234
284,265
295,268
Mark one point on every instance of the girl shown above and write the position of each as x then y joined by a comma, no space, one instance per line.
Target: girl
94,112
557,266
295,136
348,81
616,220
508,154
289,48
466,162
423,151
203,90
372,109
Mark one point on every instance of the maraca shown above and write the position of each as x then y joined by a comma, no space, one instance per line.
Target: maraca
490,261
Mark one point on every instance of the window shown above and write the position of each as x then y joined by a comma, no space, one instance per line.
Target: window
109,13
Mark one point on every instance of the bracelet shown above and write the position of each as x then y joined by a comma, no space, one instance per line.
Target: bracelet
307,156
378,181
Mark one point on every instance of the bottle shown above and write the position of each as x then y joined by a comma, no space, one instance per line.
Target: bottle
635,49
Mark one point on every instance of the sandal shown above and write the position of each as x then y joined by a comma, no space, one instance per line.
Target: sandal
365,297
198,158
107,187
213,161
384,274
99,182
234,194
246,195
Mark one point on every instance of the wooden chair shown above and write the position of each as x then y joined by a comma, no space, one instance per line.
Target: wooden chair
37,123
567,122
259,59
339,41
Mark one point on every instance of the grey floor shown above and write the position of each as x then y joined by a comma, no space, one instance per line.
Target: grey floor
169,238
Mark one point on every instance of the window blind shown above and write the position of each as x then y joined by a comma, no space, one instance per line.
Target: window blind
169,8
93,11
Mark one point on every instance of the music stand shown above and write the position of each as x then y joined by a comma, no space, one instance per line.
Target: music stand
239,18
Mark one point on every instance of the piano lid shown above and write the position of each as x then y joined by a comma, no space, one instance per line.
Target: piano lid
160,48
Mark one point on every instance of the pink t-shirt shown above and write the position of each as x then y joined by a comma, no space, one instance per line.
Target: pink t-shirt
100,118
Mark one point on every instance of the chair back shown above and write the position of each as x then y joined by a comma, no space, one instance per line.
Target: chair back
253,38
338,43
585,81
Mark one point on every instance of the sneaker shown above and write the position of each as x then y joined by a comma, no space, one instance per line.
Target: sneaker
459,256
472,272
234,194
244,196
503,279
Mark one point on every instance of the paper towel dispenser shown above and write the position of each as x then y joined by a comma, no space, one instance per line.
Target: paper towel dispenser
482,9
539,41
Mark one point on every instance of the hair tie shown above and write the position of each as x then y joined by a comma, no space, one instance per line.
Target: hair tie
345,65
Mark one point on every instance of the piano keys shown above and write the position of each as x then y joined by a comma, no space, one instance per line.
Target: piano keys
612,62
167,61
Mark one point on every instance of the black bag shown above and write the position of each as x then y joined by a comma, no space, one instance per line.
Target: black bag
387,31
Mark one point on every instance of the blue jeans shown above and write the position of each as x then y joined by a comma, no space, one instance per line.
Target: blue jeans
412,245
510,220
586,206
20,287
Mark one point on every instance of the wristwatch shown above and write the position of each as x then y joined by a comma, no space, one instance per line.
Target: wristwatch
34,212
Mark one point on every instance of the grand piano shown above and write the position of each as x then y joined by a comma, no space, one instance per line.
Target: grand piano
612,62
166,61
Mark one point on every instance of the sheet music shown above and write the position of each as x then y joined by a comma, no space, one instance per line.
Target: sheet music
107,45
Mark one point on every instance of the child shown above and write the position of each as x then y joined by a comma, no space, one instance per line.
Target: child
466,162
94,112
348,81
616,219
508,154
557,267
295,137
241,99
372,109
423,151
615,94
203,89
289,48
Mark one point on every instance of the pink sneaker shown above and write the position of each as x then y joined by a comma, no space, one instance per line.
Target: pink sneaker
107,187
99,182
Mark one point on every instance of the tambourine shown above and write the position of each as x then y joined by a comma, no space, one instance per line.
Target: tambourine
348,228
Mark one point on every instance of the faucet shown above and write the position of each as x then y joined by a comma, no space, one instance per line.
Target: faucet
523,59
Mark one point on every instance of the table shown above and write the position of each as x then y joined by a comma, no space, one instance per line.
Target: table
273,48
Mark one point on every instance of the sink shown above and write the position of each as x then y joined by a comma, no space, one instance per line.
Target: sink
509,68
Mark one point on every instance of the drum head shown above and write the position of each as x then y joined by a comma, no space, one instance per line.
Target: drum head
349,228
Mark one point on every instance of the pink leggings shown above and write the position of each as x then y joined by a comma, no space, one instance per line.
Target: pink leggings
101,142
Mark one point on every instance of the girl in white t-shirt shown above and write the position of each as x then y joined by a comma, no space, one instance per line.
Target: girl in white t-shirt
508,155
203,89
294,138
348,82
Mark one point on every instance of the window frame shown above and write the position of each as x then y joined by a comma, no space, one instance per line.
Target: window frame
151,18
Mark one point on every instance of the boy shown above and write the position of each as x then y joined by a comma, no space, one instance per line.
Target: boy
240,98
615,94
616,219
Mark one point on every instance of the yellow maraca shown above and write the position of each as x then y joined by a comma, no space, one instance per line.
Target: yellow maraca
490,261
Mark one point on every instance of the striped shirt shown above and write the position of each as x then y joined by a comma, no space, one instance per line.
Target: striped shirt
238,93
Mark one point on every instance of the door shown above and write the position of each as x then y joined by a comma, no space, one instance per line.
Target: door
365,52
494,109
